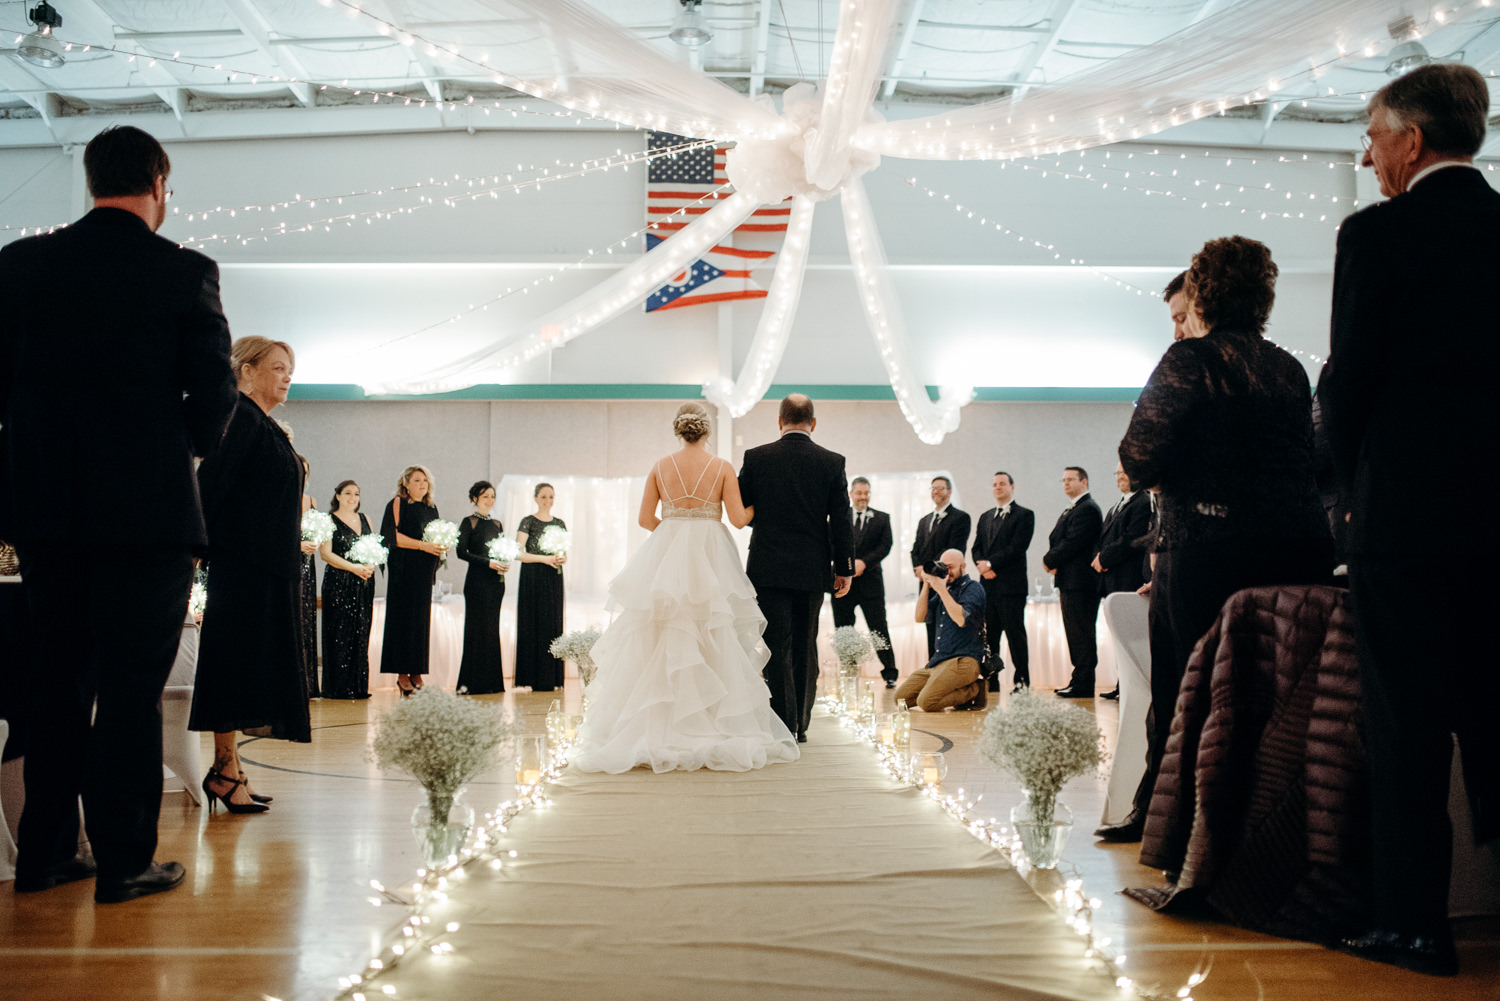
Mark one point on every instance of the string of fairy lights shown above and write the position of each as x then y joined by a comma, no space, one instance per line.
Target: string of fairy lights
622,243
1073,903
475,187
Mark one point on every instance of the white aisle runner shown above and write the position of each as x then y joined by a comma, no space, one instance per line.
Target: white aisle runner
817,879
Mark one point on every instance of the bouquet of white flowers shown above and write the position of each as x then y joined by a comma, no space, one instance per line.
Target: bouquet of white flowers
444,533
577,646
316,526
504,550
369,550
555,541
442,740
198,596
1043,742
854,646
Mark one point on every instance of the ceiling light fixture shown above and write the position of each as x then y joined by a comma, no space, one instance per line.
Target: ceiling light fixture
39,48
1406,57
690,29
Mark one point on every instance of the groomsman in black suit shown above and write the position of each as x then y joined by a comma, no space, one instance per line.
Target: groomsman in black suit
114,369
1117,559
1005,531
1073,542
945,528
1407,398
802,546
872,543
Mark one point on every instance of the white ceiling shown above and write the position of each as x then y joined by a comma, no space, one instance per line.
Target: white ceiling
207,68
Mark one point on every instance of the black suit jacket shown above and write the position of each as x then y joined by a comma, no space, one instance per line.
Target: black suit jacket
952,533
871,545
1407,395
114,369
1072,545
802,534
1117,550
1003,541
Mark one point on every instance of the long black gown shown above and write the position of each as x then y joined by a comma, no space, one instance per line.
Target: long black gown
408,592
348,602
539,615
250,674
308,594
480,672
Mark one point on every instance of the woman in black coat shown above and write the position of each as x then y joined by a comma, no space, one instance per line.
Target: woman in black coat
250,671
481,671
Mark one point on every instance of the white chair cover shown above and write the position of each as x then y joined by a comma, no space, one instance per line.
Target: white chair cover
1125,616
7,825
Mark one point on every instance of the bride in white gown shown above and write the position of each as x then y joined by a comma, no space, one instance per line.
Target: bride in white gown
679,683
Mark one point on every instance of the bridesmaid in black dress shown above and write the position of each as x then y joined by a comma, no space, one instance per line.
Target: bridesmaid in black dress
250,655
480,673
348,601
413,567
539,607
309,594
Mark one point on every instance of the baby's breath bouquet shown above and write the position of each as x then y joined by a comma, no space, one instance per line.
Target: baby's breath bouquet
854,646
316,526
198,595
1043,742
555,541
442,739
577,646
444,533
504,550
369,550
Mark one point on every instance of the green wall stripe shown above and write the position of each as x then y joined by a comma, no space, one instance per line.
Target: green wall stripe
674,391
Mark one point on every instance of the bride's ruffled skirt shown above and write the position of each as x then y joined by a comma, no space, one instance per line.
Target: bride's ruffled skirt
679,683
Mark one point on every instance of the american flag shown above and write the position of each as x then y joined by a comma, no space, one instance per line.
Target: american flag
689,181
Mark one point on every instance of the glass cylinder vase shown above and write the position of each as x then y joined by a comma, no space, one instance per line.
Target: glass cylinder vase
441,825
1043,838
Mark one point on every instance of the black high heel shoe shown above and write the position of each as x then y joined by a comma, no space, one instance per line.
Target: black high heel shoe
405,690
215,797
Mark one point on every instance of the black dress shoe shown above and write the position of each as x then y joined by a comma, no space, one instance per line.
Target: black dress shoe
890,684
157,878
1131,830
994,683
1113,694
1020,686
1430,954
79,867
801,738
1072,692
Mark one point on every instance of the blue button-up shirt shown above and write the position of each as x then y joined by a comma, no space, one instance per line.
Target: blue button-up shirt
954,640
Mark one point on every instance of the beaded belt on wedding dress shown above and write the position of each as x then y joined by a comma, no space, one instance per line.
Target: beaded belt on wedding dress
708,512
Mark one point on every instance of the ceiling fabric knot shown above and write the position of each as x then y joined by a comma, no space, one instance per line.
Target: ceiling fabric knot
775,169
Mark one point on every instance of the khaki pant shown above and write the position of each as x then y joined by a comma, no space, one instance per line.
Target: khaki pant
951,683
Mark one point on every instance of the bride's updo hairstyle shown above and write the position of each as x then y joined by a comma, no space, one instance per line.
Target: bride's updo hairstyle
691,423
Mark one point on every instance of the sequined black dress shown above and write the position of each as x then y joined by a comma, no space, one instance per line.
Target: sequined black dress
347,604
308,595
539,614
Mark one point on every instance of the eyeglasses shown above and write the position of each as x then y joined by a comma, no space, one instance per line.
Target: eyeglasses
1366,141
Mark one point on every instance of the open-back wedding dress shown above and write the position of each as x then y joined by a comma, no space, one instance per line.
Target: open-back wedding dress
679,684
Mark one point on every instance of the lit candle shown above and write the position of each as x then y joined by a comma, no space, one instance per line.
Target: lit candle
930,775
528,776
887,735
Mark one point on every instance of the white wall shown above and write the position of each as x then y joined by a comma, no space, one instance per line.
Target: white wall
981,305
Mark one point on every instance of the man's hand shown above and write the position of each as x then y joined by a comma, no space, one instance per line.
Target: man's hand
859,567
916,572
1096,566
1144,588
841,586
937,583
1050,570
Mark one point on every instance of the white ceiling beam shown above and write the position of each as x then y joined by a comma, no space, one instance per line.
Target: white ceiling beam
908,32
92,24
1063,12
21,82
256,28
762,48
396,13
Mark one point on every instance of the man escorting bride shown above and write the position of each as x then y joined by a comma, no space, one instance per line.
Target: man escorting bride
680,682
